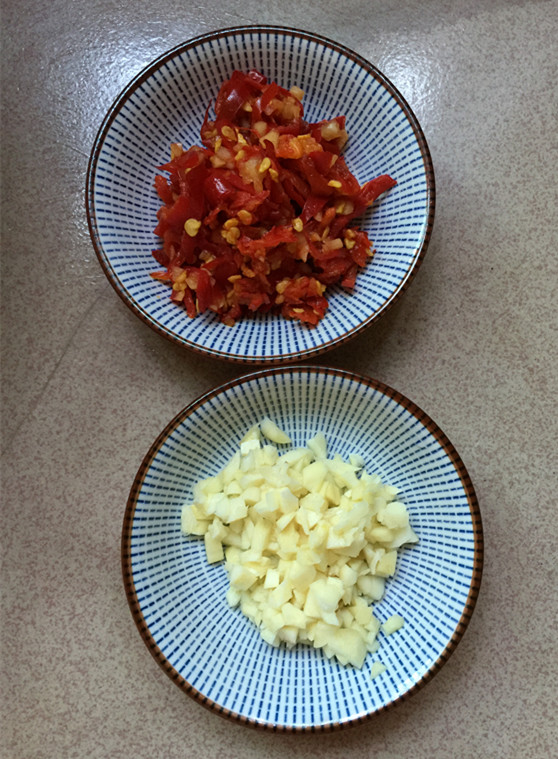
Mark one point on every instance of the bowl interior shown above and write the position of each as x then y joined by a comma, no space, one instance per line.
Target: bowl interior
178,600
167,102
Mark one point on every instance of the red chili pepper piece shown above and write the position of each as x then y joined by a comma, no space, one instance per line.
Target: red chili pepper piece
257,219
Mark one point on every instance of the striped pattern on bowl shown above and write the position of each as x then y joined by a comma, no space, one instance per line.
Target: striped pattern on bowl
178,601
166,103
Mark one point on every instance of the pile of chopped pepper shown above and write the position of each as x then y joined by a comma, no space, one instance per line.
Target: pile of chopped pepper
256,218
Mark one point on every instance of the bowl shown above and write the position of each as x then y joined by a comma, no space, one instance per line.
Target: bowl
213,652
167,101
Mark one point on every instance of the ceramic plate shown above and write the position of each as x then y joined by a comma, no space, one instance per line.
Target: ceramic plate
177,599
166,103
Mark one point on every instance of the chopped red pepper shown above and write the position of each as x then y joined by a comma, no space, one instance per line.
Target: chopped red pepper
258,218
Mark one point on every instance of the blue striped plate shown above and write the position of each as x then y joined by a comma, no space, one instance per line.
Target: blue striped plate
216,654
166,103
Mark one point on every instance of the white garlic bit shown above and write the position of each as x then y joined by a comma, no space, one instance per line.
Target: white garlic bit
308,541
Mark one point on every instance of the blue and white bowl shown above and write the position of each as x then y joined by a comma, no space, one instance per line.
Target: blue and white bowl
166,103
215,653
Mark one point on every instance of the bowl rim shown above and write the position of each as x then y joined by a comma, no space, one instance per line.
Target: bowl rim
407,405
141,77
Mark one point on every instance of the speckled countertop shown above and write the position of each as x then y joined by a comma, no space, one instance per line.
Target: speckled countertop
86,386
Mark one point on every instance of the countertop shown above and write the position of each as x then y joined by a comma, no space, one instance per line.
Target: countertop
87,387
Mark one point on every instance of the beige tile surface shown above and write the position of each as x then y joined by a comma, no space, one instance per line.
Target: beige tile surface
86,387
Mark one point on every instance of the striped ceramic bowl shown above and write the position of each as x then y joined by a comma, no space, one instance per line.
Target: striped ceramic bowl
216,654
166,102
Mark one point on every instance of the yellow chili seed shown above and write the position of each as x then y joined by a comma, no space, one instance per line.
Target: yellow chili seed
274,174
230,223
349,244
264,165
245,216
334,183
228,132
192,227
231,235
298,226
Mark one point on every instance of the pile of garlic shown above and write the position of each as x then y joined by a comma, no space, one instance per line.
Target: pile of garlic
307,541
